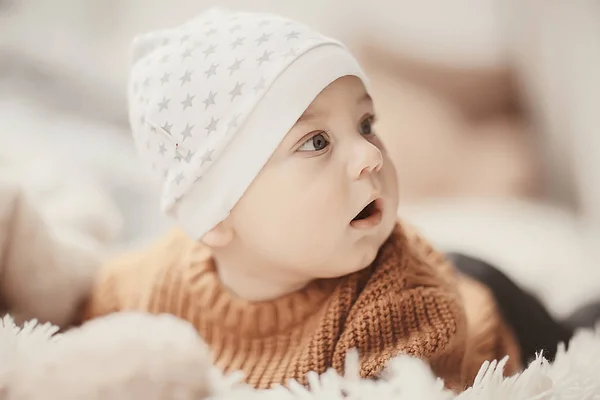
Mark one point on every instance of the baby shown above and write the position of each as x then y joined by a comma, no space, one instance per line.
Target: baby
288,252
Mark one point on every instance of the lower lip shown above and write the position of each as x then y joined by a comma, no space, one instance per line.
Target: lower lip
370,222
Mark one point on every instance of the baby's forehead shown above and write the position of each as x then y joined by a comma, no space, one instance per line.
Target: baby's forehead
344,92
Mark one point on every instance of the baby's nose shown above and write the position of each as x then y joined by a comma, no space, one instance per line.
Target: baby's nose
367,158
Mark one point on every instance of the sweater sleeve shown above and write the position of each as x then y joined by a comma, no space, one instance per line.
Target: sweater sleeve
109,291
489,336
150,280
410,307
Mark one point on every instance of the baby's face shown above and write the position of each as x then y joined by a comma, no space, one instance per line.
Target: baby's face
327,198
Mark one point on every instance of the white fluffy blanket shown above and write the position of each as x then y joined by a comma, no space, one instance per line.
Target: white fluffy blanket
138,356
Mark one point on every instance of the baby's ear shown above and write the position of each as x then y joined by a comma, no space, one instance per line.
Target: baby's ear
219,236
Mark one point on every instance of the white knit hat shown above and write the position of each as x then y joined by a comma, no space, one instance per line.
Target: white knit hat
212,99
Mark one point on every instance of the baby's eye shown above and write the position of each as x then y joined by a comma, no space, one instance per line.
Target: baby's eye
316,143
366,126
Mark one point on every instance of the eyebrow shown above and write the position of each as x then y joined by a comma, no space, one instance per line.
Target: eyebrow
309,116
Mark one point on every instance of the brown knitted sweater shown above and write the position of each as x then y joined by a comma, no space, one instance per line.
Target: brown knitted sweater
409,301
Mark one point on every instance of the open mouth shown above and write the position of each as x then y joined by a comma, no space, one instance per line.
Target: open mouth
366,212
368,216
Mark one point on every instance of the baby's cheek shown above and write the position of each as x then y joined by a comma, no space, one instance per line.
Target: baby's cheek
390,176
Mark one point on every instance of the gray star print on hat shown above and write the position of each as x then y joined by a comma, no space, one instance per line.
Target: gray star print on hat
193,87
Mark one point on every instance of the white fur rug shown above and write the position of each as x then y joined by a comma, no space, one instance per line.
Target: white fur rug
138,356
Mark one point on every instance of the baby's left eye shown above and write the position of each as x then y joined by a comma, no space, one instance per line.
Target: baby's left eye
366,126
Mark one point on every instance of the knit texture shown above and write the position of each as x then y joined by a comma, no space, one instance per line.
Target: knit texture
409,301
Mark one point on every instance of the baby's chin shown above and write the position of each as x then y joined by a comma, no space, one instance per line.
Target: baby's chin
359,260
361,256
371,247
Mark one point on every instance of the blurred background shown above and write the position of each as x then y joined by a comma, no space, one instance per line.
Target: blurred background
490,108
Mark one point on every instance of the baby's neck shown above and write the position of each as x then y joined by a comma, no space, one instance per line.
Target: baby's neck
255,283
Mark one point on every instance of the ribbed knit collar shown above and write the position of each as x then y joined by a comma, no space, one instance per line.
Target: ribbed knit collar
234,316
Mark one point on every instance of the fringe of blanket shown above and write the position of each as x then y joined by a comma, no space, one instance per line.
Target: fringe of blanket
574,375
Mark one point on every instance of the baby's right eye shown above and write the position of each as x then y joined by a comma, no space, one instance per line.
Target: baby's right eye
317,142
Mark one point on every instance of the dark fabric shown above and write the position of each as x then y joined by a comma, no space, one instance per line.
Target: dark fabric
587,316
535,329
